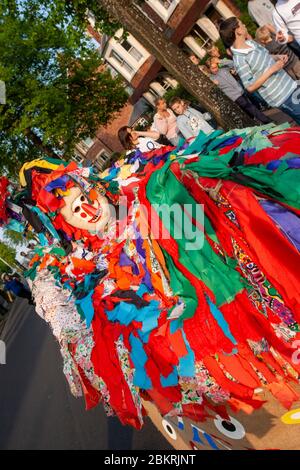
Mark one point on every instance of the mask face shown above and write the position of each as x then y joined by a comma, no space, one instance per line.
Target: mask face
83,214
270,427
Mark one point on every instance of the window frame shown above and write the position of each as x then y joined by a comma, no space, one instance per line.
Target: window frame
115,45
163,12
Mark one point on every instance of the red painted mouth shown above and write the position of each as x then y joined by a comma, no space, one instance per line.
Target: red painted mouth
94,211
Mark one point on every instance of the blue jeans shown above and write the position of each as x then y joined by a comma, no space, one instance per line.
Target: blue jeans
292,105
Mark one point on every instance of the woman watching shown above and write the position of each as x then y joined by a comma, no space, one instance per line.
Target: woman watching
165,121
145,141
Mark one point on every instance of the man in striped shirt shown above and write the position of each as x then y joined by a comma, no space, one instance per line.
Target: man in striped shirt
259,71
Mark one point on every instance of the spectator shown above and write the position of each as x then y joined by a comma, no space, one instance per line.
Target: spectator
14,285
215,53
292,66
286,18
228,84
145,141
261,11
193,58
189,121
31,246
259,71
26,259
165,121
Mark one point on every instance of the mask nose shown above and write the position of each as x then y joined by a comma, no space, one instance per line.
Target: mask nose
90,210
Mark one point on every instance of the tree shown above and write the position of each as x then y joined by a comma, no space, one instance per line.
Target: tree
8,254
57,90
127,13
17,238
14,238
111,15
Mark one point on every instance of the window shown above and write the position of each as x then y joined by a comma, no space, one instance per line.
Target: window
200,37
101,159
167,82
166,3
141,122
223,9
214,16
164,8
77,158
121,62
88,142
151,96
125,54
114,72
84,145
132,50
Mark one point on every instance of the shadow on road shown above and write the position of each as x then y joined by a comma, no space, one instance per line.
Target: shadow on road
36,407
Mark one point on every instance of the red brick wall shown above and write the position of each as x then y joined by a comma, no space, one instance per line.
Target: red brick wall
142,72
184,17
108,135
96,148
144,77
232,7
153,15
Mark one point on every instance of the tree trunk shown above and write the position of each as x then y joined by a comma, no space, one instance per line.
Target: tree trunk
35,139
228,114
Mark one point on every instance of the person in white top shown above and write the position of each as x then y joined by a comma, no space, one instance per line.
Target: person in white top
286,18
261,11
145,141
165,121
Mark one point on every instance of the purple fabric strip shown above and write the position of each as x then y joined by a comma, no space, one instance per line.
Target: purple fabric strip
288,222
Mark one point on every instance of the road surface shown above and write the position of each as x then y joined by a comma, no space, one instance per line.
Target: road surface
37,410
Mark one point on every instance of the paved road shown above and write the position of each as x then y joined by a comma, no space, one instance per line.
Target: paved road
37,410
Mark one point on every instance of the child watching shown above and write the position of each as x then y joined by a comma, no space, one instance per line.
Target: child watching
259,71
214,53
266,39
228,84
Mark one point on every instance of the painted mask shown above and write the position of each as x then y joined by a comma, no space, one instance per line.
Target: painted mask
269,428
84,214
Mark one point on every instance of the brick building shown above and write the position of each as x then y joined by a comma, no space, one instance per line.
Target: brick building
191,24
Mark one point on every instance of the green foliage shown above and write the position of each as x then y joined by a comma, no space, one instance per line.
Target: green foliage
81,10
56,84
16,238
141,127
8,254
221,47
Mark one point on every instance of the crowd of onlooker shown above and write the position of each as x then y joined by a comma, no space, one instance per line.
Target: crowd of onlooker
257,73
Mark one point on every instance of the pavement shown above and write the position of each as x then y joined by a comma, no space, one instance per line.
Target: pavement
37,410
278,116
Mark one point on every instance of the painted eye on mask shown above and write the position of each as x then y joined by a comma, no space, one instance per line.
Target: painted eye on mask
169,429
230,428
77,209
